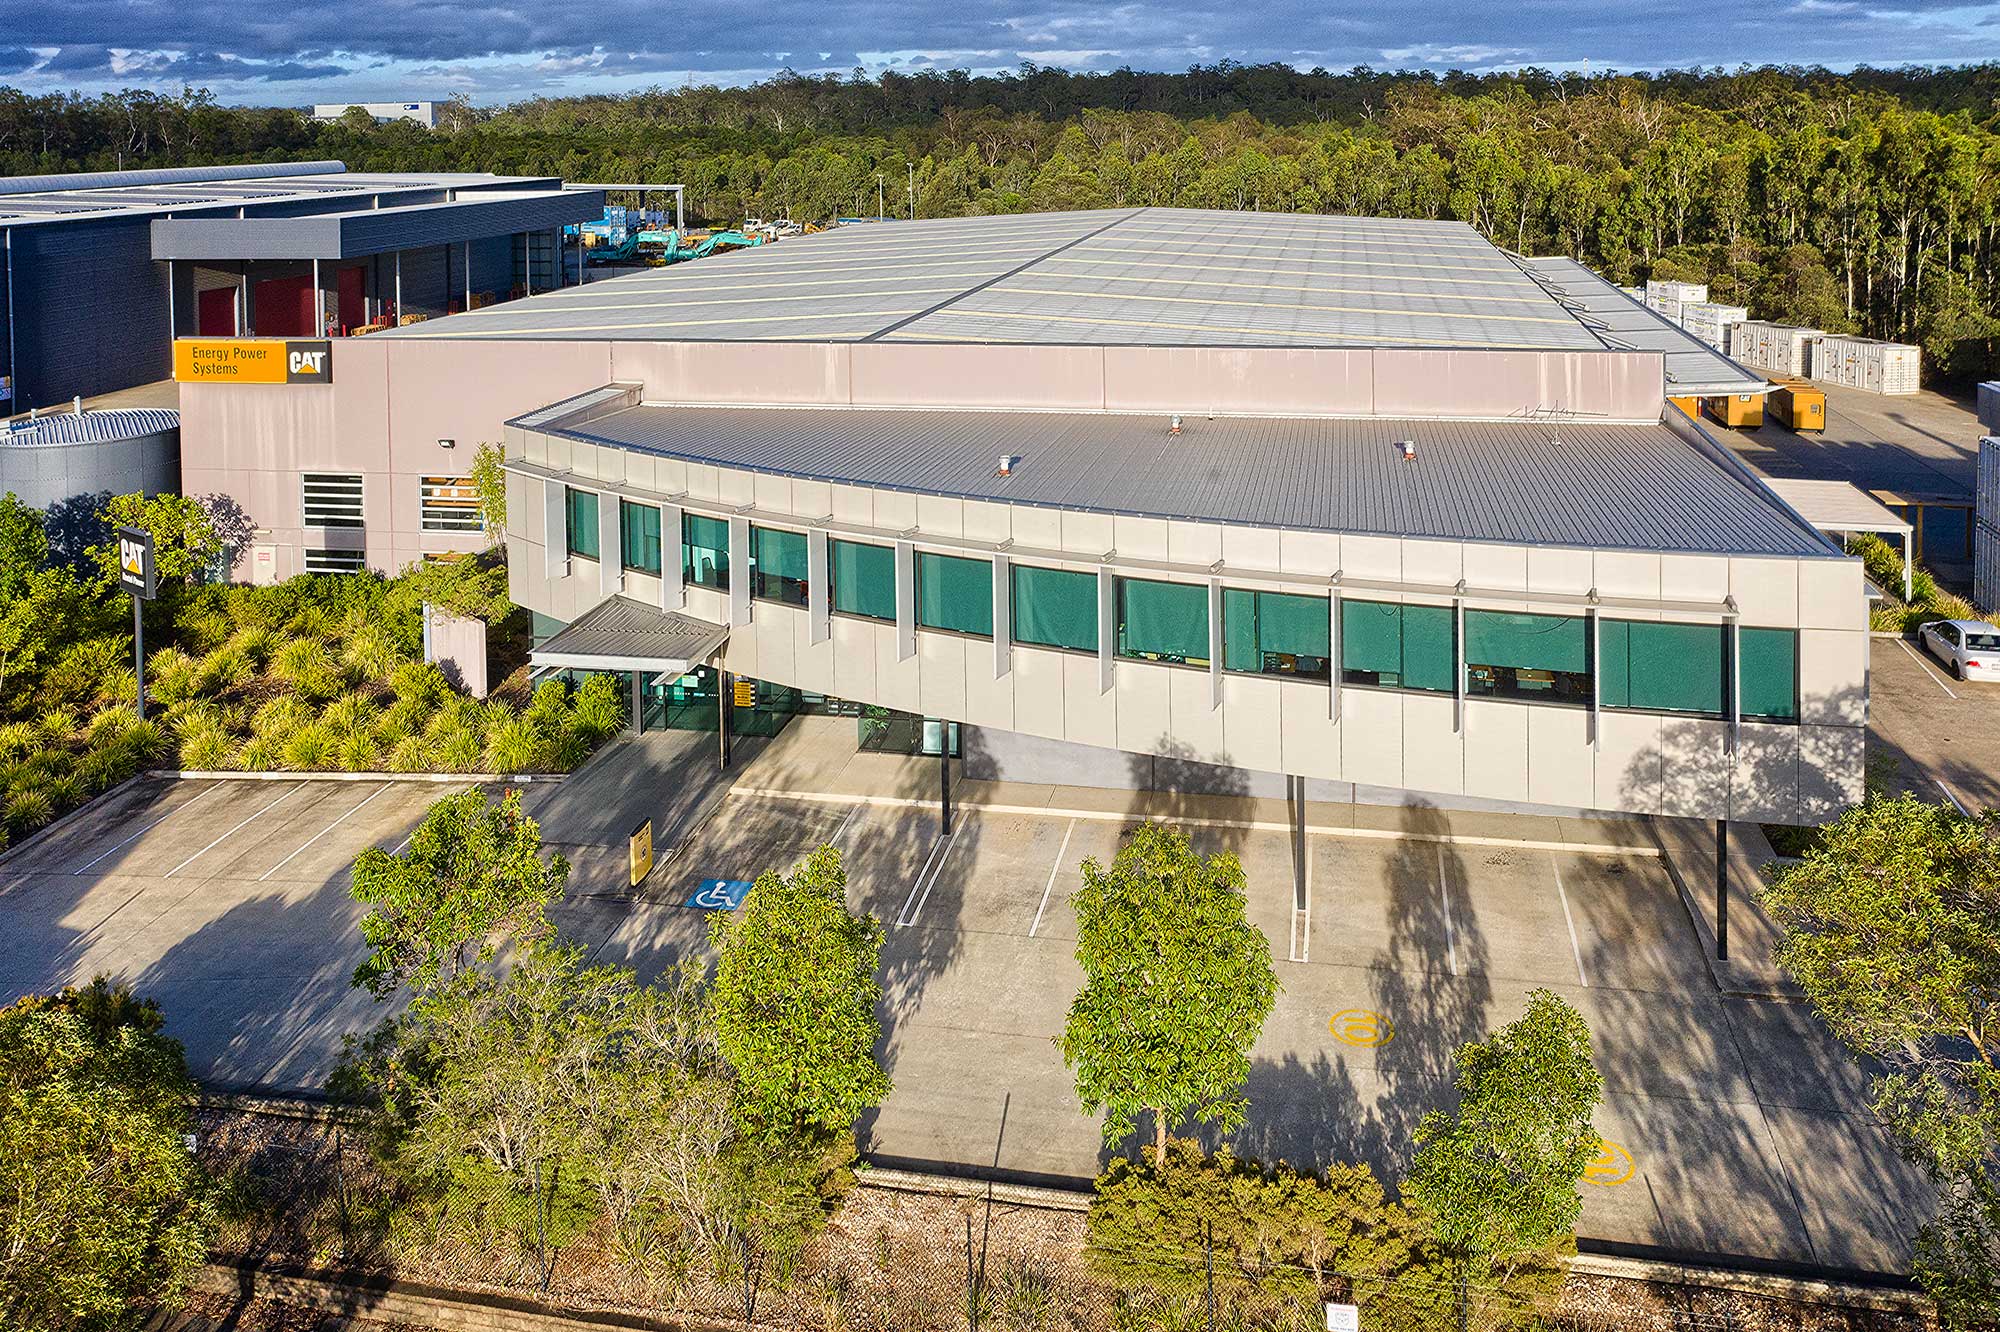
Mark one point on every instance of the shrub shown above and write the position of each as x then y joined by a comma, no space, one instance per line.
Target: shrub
357,752
409,755
63,791
16,739
372,653
27,810
280,717
311,748
258,754
459,751
567,752
77,677
206,747
202,631
57,726
599,711
350,713
309,668
513,747
171,675
108,724
228,667
255,643
421,683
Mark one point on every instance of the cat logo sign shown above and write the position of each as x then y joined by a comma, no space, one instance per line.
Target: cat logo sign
135,562
252,361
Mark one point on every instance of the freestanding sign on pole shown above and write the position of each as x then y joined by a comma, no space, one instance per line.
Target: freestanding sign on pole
135,575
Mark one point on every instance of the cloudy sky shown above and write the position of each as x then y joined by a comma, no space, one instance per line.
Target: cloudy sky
499,50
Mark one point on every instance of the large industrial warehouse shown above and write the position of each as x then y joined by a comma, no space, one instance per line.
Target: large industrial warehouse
99,272
1359,502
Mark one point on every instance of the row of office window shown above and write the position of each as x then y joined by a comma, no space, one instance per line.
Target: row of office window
444,503
1641,665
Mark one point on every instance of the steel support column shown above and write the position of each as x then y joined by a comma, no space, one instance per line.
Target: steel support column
722,713
944,778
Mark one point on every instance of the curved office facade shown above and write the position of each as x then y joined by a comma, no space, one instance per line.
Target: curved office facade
1679,682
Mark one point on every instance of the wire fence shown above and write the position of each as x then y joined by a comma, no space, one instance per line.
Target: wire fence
304,1196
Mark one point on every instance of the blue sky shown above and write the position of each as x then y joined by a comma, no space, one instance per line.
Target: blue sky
500,50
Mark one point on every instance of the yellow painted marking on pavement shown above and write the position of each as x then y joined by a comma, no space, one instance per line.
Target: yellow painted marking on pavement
1611,1166
1362,1027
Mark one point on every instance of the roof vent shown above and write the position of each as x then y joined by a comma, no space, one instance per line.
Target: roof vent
1409,448
1175,427
1006,467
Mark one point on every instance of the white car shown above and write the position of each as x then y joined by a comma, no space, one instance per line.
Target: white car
1971,648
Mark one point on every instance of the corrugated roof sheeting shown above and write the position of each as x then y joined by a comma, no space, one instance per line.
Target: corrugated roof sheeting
96,426
1598,486
1693,367
52,199
1145,276
622,630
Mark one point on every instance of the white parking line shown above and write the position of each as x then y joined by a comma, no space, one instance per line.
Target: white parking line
841,831
949,847
232,832
1904,644
321,833
1570,921
1054,870
1956,802
203,795
1444,895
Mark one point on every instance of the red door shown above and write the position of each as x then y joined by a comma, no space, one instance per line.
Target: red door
284,308
353,299
215,316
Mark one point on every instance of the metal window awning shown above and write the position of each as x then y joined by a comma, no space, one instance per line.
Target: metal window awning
625,635
1837,506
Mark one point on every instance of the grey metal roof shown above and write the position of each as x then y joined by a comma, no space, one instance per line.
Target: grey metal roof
1694,369
218,191
1528,482
93,427
367,231
1837,506
622,634
1138,276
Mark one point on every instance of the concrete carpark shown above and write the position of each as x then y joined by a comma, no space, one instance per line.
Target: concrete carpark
1742,1122
1941,734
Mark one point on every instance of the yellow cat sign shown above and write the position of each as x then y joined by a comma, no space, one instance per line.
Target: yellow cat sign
253,361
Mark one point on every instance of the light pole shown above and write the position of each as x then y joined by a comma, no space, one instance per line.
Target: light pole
879,214
913,191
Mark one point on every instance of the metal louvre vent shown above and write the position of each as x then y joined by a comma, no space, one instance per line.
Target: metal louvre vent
332,499
334,561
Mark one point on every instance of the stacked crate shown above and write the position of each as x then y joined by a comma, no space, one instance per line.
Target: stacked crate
1866,363
1669,297
1782,349
1986,529
1712,323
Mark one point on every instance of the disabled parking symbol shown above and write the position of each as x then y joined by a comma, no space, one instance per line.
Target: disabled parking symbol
718,894
1612,1165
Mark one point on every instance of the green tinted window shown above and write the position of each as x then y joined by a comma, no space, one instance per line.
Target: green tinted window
581,519
1770,674
1660,667
1275,633
1055,607
705,543
1533,657
864,580
639,534
778,565
1396,647
955,593
1163,621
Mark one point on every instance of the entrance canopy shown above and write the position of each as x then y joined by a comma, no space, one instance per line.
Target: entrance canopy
1836,506
625,635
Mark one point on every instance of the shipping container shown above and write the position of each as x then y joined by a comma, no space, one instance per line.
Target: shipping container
1738,411
1782,349
1986,529
1866,363
1710,322
1689,407
1668,297
1989,406
1796,404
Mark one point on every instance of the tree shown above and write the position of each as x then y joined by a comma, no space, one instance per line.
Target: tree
794,1001
24,546
1177,984
186,544
474,1096
1892,928
473,874
102,1203
490,481
1498,1174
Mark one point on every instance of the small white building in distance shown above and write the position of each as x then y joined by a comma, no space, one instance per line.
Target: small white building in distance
424,113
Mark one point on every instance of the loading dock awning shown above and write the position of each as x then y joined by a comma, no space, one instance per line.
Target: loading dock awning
621,634
1836,506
